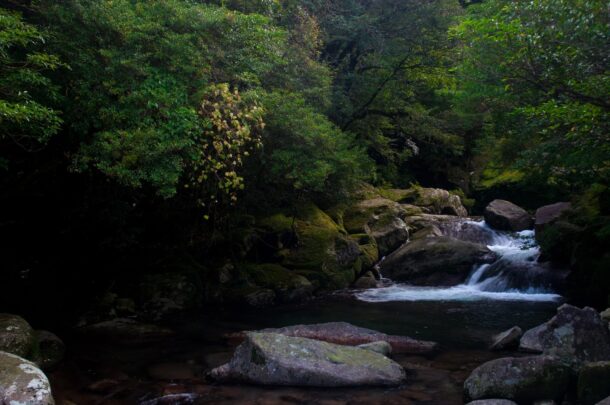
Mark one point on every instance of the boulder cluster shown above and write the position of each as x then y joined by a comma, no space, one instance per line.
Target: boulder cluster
568,358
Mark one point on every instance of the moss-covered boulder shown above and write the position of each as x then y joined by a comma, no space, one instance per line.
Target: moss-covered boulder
435,201
315,246
367,280
166,293
287,285
389,232
16,335
275,359
22,382
435,261
369,253
51,350
359,217
523,380
594,382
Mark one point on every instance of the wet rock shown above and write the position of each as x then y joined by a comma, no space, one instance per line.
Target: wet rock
261,298
125,331
274,359
507,339
16,335
576,336
435,261
359,217
368,280
343,333
51,349
381,347
523,380
421,221
550,213
594,382
172,399
436,201
286,285
605,401
492,402
168,293
21,382
506,216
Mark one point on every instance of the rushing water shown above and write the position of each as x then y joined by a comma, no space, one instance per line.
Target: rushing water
515,276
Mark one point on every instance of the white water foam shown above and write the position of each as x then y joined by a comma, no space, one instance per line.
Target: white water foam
516,249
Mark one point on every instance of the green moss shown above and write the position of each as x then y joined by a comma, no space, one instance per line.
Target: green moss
274,276
276,223
494,177
395,194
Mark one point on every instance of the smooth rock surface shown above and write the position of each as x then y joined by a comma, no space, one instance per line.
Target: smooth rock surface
344,333
549,214
389,233
437,261
16,335
507,339
506,216
22,383
275,359
574,335
523,380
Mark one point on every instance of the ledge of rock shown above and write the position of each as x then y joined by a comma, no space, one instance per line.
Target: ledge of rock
275,359
343,333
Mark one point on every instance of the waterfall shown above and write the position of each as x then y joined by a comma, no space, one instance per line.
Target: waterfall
516,275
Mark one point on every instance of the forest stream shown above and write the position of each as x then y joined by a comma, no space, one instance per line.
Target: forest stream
462,319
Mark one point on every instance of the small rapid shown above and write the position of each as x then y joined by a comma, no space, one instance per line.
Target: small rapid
515,276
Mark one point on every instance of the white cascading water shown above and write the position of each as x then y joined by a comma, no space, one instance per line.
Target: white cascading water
516,275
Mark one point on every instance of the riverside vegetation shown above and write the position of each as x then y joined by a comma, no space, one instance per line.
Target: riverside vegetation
164,161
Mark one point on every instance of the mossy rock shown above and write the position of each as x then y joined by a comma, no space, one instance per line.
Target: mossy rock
321,246
16,335
359,216
369,253
287,285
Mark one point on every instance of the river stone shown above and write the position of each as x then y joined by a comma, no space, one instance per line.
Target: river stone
389,233
492,402
438,261
574,335
274,359
368,280
22,383
16,335
51,349
594,382
524,379
506,216
344,333
381,347
605,401
549,214
507,339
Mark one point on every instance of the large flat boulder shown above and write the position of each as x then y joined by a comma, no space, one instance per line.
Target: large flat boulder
549,214
343,333
506,216
22,382
16,335
523,380
575,336
276,359
435,261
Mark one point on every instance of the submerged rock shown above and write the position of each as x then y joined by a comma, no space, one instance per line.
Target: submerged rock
16,335
435,261
275,359
343,333
576,336
594,382
506,216
507,339
125,331
21,382
524,380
